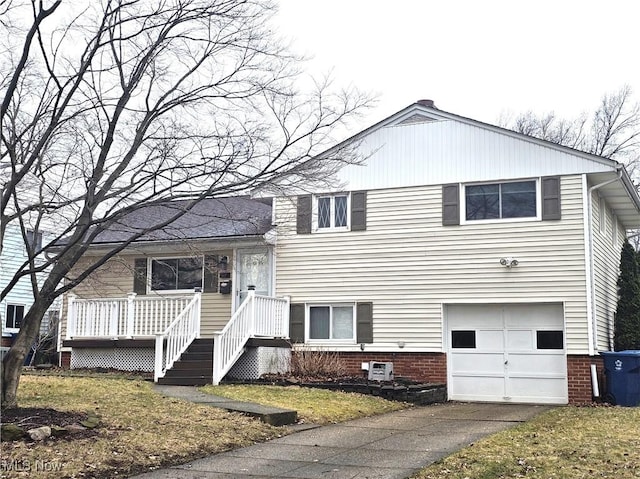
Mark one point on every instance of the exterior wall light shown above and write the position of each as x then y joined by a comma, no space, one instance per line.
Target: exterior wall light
508,262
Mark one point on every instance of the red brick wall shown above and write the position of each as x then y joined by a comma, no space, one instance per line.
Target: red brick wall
432,367
6,342
579,378
427,367
65,360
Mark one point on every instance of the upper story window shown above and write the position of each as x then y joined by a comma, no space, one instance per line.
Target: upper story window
538,199
493,201
176,274
34,240
332,212
14,316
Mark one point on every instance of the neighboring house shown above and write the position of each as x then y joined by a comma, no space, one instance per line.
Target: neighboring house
463,252
144,308
16,304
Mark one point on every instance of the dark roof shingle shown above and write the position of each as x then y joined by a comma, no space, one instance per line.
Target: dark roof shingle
209,218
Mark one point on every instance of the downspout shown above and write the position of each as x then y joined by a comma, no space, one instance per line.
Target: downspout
594,346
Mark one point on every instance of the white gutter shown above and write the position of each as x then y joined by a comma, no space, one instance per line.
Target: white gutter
591,290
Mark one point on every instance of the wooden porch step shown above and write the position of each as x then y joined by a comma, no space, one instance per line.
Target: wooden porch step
195,366
201,346
179,381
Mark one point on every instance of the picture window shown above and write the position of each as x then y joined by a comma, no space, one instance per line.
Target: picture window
516,199
174,274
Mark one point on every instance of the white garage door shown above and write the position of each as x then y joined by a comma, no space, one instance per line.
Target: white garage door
506,353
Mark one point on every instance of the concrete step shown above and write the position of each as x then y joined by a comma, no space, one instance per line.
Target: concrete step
271,415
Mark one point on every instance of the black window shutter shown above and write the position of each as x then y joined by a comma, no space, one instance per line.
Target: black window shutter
296,322
551,209
210,283
359,211
364,322
450,205
303,223
140,276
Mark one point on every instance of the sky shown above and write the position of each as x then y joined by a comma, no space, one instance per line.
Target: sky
480,59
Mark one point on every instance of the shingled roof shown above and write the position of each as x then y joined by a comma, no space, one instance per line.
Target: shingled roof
209,219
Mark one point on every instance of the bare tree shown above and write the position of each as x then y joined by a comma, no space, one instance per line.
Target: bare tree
45,345
133,102
611,131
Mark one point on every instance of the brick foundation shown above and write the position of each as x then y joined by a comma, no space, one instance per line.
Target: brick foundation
432,368
426,367
65,360
579,378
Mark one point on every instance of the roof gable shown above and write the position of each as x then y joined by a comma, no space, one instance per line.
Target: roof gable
422,145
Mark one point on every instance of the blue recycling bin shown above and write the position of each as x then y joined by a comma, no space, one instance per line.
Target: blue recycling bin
623,377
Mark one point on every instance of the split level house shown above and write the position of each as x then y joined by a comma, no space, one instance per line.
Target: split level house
464,253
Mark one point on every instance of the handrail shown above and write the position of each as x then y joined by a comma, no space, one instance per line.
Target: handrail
133,316
256,316
179,335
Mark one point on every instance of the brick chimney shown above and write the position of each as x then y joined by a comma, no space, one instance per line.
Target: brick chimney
427,103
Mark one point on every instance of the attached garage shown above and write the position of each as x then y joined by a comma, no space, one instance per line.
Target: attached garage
506,353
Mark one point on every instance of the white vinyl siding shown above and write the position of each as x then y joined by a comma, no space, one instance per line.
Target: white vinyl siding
12,257
409,265
606,258
447,151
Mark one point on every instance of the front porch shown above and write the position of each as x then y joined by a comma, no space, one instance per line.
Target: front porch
159,333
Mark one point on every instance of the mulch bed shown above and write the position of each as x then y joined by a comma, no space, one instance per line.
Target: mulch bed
400,389
32,417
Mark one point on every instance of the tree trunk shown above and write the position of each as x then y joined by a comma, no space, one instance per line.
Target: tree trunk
13,361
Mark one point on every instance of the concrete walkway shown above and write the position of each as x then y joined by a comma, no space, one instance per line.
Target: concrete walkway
389,446
271,415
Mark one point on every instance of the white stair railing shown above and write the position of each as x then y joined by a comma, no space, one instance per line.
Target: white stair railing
256,316
178,336
133,316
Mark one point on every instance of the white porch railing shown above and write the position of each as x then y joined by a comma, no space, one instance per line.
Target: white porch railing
258,316
139,316
179,335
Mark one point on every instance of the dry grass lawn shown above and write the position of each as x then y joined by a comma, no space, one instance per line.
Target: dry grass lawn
565,443
140,430
317,406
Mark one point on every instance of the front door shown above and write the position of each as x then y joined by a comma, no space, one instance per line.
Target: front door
253,271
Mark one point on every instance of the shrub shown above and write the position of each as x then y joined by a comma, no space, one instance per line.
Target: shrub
316,363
